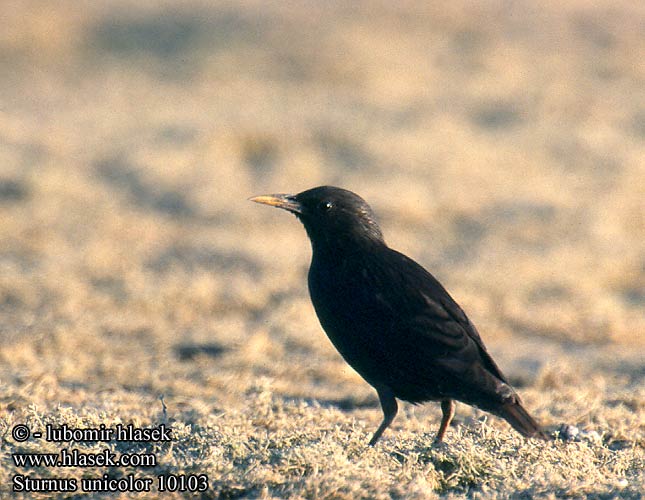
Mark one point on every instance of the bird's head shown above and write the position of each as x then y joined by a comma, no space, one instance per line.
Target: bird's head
332,216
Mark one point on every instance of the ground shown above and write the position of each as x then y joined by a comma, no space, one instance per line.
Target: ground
501,145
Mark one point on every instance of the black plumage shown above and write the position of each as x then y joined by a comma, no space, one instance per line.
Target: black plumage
391,320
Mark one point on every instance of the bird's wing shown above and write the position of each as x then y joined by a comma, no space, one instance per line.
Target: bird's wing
433,331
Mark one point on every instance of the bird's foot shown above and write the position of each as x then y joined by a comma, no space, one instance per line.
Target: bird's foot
439,445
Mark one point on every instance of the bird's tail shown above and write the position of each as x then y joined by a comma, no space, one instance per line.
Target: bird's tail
521,421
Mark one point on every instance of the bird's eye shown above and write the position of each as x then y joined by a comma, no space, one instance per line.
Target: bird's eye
325,206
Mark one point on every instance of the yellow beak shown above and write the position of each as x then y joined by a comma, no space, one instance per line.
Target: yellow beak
285,201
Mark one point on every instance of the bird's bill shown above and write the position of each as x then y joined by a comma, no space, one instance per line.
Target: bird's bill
285,201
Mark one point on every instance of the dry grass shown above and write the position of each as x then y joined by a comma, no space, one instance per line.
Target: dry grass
502,145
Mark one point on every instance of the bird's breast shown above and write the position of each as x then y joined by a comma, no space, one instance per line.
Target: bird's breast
346,302
341,295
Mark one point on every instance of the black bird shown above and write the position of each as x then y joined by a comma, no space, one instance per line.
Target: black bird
391,320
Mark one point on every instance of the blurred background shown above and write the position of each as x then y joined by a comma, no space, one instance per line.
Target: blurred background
501,144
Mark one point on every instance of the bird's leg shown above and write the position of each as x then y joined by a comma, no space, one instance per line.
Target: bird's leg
389,406
448,409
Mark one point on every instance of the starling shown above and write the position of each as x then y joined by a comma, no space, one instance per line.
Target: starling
391,320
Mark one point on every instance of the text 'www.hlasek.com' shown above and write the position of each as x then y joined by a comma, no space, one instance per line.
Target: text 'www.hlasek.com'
70,456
